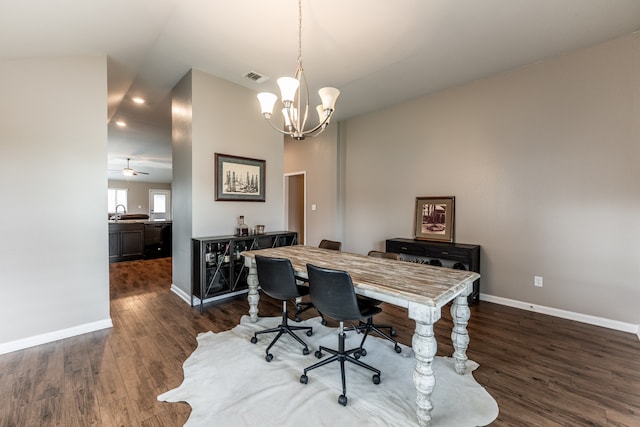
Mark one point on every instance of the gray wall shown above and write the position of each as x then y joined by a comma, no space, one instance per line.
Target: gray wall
138,193
318,157
182,184
54,279
542,161
225,119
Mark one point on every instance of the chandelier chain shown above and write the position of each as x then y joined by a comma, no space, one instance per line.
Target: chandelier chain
295,97
299,31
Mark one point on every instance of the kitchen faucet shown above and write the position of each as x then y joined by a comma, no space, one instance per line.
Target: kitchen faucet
117,215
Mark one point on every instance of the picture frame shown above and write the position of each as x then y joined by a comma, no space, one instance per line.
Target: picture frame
239,179
434,218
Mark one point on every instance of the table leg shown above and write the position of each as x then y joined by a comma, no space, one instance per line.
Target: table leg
424,346
460,314
254,296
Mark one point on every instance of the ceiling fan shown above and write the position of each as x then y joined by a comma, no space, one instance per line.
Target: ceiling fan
128,171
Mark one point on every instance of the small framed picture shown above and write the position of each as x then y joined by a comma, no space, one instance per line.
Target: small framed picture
435,218
239,179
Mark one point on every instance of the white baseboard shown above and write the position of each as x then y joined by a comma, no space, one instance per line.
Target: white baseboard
182,294
23,343
196,301
578,317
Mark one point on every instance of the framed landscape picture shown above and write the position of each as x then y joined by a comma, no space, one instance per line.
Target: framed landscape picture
239,178
435,218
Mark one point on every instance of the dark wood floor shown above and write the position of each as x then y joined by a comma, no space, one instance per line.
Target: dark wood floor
543,371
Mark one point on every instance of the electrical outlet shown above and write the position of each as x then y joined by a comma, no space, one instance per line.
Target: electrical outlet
537,281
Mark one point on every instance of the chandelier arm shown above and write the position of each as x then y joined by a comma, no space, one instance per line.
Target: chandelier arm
284,132
303,87
322,125
294,133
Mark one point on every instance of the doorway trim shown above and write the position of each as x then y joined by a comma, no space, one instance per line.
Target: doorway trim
285,185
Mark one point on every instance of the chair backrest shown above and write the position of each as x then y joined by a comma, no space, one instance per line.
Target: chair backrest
330,244
332,293
276,277
388,255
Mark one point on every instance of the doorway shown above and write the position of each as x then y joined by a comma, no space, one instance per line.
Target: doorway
295,196
159,205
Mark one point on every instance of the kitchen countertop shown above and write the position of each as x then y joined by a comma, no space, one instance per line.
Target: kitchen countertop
138,221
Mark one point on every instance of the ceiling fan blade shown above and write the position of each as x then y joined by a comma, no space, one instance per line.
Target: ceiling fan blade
142,173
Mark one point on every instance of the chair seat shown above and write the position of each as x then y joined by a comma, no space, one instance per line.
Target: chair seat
367,310
367,300
303,290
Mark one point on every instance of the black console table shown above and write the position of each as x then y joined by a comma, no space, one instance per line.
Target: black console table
453,255
218,268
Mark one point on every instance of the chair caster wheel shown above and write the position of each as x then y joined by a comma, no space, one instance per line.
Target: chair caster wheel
309,332
356,355
397,348
363,352
304,379
269,357
305,351
393,332
318,354
376,379
254,340
342,400
323,322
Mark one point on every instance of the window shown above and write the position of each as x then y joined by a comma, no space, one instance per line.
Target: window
116,197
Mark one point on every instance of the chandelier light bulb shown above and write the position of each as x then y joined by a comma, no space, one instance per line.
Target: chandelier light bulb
322,114
288,88
329,96
287,120
267,101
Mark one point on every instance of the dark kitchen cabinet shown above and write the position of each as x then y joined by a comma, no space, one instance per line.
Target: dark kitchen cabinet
126,241
157,240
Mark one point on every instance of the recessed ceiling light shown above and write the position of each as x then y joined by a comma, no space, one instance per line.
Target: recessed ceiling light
121,123
138,100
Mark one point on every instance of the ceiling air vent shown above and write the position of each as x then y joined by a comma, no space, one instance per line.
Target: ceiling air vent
255,77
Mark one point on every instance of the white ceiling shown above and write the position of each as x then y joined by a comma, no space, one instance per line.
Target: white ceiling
378,53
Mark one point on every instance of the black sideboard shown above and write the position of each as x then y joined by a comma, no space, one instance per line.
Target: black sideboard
218,268
452,255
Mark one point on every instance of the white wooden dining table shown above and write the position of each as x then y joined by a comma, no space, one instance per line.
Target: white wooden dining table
420,288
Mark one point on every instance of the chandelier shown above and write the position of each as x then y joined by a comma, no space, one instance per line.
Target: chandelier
295,98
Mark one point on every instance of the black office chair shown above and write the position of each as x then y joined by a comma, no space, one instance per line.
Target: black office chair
276,278
369,326
304,306
333,294
330,244
387,255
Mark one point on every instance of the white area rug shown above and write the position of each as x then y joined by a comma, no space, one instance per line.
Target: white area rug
227,382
